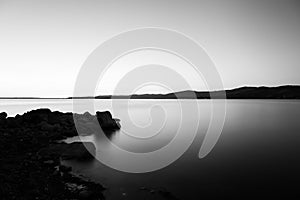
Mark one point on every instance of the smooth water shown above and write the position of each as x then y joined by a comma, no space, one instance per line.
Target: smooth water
256,155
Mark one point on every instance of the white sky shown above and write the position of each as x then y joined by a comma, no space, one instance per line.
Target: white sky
44,43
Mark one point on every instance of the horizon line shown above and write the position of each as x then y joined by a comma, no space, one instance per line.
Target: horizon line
126,95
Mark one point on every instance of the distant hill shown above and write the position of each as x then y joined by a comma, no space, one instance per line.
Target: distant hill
281,92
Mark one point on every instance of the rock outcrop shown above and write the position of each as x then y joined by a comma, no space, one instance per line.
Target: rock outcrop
75,150
31,151
3,116
106,121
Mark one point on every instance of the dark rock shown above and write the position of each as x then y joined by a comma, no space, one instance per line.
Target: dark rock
54,118
30,157
36,116
65,169
143,188
106,121
52,151
49,162
70,132
79,151
85,194
46,127
3,115
76,150
11,123
152,191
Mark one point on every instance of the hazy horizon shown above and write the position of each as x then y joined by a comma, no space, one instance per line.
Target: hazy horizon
44,43
139,93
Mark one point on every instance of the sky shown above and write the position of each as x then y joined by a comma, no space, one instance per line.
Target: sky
43,44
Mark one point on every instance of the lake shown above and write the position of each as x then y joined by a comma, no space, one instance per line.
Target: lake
257,154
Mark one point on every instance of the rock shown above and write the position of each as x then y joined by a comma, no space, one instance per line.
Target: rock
70,132
152,191
143,188
52,151
3,115
37,116
79,151
49,162
106,121
87,116
167,195
64,168
31,157
54,118
85,194
46,127
11,123
75,150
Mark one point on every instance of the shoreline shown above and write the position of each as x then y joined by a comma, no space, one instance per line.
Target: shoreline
31,155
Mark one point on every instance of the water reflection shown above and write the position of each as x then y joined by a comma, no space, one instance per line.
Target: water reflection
257,155
111,134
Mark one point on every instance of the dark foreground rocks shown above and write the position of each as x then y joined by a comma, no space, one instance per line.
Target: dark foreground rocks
30,155
106,121
75,151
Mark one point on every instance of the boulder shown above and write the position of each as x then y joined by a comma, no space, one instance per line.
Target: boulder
106,121
41,111
3,115
87,116
35,116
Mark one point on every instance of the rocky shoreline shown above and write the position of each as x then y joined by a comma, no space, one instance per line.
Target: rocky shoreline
31,154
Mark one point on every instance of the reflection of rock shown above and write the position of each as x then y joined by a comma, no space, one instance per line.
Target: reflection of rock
106,121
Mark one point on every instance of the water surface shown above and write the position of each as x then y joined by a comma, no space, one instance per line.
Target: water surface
257,154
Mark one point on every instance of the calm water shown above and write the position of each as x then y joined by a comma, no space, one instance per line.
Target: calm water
256,155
